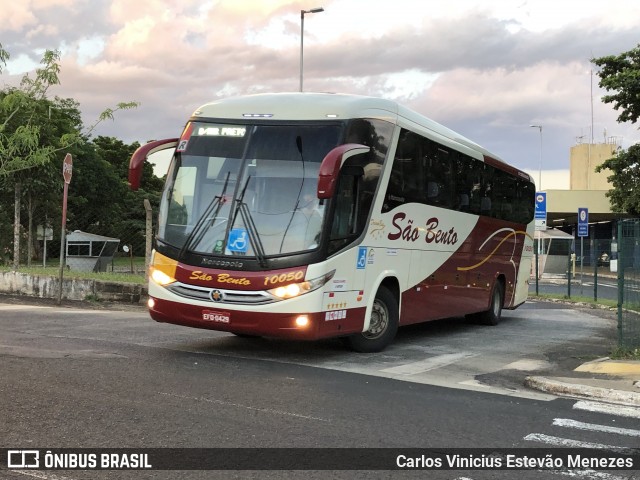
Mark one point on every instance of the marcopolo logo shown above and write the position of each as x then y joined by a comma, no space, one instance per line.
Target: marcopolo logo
23,459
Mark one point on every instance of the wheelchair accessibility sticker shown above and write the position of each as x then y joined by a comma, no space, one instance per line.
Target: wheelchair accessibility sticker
362,258
238,240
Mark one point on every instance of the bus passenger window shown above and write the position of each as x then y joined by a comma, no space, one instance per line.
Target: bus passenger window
406,181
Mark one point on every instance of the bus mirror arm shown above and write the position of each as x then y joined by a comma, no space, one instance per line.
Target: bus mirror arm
141,154
331,165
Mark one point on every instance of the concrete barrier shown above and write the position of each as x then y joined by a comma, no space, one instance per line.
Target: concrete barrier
44,286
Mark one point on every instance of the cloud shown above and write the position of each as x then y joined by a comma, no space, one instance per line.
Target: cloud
486,69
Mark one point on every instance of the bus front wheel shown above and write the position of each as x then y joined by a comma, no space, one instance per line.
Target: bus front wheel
383,324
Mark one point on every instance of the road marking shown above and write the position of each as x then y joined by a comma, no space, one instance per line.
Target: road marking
10,306
248,407
610,409
587,474
612,367
568,443
65,310
41,475
427,364
592,427
527,365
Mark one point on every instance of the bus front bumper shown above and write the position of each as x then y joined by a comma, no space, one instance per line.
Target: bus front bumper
268,324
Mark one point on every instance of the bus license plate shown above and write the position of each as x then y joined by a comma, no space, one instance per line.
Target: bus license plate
215,316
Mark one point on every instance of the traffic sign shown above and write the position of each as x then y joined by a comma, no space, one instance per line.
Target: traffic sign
583,222
67,168
541,205
541,211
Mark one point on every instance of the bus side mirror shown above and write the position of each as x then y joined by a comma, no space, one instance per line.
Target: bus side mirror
331,165
141,154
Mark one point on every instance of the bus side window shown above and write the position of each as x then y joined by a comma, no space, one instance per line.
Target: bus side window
440,177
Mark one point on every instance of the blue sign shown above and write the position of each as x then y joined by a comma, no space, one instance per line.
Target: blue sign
362,258
238,240
583,222
541,205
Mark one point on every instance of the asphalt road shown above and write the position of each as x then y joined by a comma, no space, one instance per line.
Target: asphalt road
102,378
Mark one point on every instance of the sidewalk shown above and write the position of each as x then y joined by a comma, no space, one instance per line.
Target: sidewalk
614,381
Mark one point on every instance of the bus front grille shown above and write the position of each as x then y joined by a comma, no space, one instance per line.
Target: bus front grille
205,294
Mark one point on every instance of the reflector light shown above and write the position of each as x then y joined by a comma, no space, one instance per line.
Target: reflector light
302,321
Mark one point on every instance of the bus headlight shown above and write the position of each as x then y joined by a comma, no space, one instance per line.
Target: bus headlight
295,289
161,278
162,270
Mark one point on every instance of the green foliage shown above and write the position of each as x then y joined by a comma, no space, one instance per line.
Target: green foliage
625,179
100,200
621,74
623,353
27,138
20,130
602,302
4,56
36,132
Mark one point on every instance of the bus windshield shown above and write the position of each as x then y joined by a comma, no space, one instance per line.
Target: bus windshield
246,190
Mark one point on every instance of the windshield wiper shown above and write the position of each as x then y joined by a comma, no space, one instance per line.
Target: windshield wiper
247,219
199,229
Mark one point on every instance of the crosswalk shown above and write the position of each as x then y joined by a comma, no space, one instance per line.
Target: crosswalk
572,433
578,436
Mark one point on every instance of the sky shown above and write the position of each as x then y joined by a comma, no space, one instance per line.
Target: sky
487,69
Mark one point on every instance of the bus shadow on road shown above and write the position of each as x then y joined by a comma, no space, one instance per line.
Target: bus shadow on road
420,336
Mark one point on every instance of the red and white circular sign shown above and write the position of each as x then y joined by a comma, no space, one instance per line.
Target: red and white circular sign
67,168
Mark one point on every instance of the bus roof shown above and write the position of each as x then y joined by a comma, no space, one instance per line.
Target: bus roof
322,106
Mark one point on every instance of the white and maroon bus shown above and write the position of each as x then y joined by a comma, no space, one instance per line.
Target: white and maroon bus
308,216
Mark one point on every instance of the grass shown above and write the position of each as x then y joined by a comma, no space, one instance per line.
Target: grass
624,353
576,299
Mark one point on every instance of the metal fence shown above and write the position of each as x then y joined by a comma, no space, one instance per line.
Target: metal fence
96,245
628,259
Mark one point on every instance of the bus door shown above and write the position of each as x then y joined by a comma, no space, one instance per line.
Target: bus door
347,224
348,220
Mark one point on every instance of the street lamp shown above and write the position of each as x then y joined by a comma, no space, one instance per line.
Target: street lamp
539,250
302,12
539,127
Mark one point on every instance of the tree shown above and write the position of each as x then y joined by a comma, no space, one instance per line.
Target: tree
26,138
129,214
20,147
625,194
621,74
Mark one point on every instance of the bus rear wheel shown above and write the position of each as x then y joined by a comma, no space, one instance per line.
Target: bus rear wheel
383,324
492,316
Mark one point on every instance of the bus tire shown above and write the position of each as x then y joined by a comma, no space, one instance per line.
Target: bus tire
382,327
492,316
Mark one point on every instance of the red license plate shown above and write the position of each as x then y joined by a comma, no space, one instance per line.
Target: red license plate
216,316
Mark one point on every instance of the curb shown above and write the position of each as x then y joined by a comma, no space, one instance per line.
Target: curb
583,391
